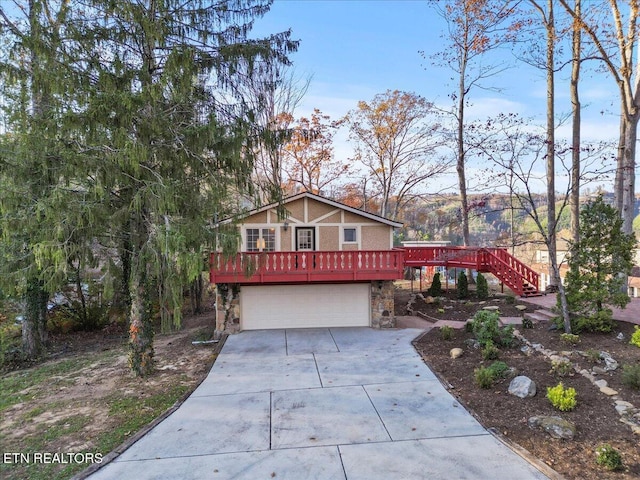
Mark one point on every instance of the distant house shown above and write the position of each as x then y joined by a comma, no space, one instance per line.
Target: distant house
324,264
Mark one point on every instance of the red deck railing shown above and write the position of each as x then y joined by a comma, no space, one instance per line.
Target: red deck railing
367,265
307,267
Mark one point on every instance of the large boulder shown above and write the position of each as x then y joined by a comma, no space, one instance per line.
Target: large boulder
557,427
522,386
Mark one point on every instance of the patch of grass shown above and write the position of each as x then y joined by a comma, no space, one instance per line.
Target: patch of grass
34,412
131,414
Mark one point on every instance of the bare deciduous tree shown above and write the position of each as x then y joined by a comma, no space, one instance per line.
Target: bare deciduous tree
397,136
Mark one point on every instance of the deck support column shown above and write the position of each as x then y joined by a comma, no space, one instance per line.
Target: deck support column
227,308
382,306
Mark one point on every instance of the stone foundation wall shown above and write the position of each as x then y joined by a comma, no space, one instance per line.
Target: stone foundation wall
227,308
382,307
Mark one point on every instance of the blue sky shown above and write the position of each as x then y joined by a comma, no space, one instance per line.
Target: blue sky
355,49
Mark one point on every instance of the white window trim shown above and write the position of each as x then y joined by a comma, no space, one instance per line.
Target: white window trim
260,226
358,236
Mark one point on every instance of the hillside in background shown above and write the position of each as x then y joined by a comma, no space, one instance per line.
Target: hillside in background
495,220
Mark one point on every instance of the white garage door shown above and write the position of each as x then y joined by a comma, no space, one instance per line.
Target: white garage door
304,306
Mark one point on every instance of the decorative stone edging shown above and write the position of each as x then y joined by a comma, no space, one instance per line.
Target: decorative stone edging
629,414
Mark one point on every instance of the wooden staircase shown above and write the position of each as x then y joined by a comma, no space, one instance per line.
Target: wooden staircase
519,277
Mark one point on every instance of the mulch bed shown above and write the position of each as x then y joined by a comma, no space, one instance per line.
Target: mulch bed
595,418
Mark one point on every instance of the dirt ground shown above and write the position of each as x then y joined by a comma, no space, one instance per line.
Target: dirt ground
595,418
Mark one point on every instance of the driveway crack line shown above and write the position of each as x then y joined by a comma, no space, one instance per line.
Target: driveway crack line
377,413
270,418
315,361
341,461
334,340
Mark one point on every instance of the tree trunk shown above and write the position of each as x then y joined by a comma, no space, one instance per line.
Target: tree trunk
575,134
551,152
618,182
34,323
628,174
141,317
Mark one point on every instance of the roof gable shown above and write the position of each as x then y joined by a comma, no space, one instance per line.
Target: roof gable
326,201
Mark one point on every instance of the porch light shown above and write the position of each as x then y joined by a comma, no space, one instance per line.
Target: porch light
286,225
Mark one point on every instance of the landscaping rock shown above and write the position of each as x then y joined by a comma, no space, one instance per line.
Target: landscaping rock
526,350
491,308
598,370
522,308
609,361
608,391
622,407
620,336
600,383
429,299
472,342
456,352
557,427
522,387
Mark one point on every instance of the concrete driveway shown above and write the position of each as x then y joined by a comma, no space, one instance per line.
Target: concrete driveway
339,403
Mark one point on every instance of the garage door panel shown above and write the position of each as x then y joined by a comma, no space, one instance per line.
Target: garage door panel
304,306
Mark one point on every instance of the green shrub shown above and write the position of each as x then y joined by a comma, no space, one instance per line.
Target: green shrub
510,299
486,327
499,369
635,338
631,376
446,332
564,399
463,285
483,377
482,287
561,368
527,323
506,336
599,322
569,338
608,457
435,290
490,351
593,355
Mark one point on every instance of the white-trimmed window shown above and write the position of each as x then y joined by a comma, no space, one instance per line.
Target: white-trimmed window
349,235
260,239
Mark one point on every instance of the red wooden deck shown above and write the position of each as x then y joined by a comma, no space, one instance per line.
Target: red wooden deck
367,265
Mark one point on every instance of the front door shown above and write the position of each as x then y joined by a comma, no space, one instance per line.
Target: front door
305,239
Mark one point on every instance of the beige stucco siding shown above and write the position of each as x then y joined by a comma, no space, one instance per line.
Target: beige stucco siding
316,209
329,238
334,218
296,209
376,237
353,218
260,217
285,240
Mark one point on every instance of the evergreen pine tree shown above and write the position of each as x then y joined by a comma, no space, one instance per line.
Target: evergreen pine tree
599,263
482,287
463,285
435,290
